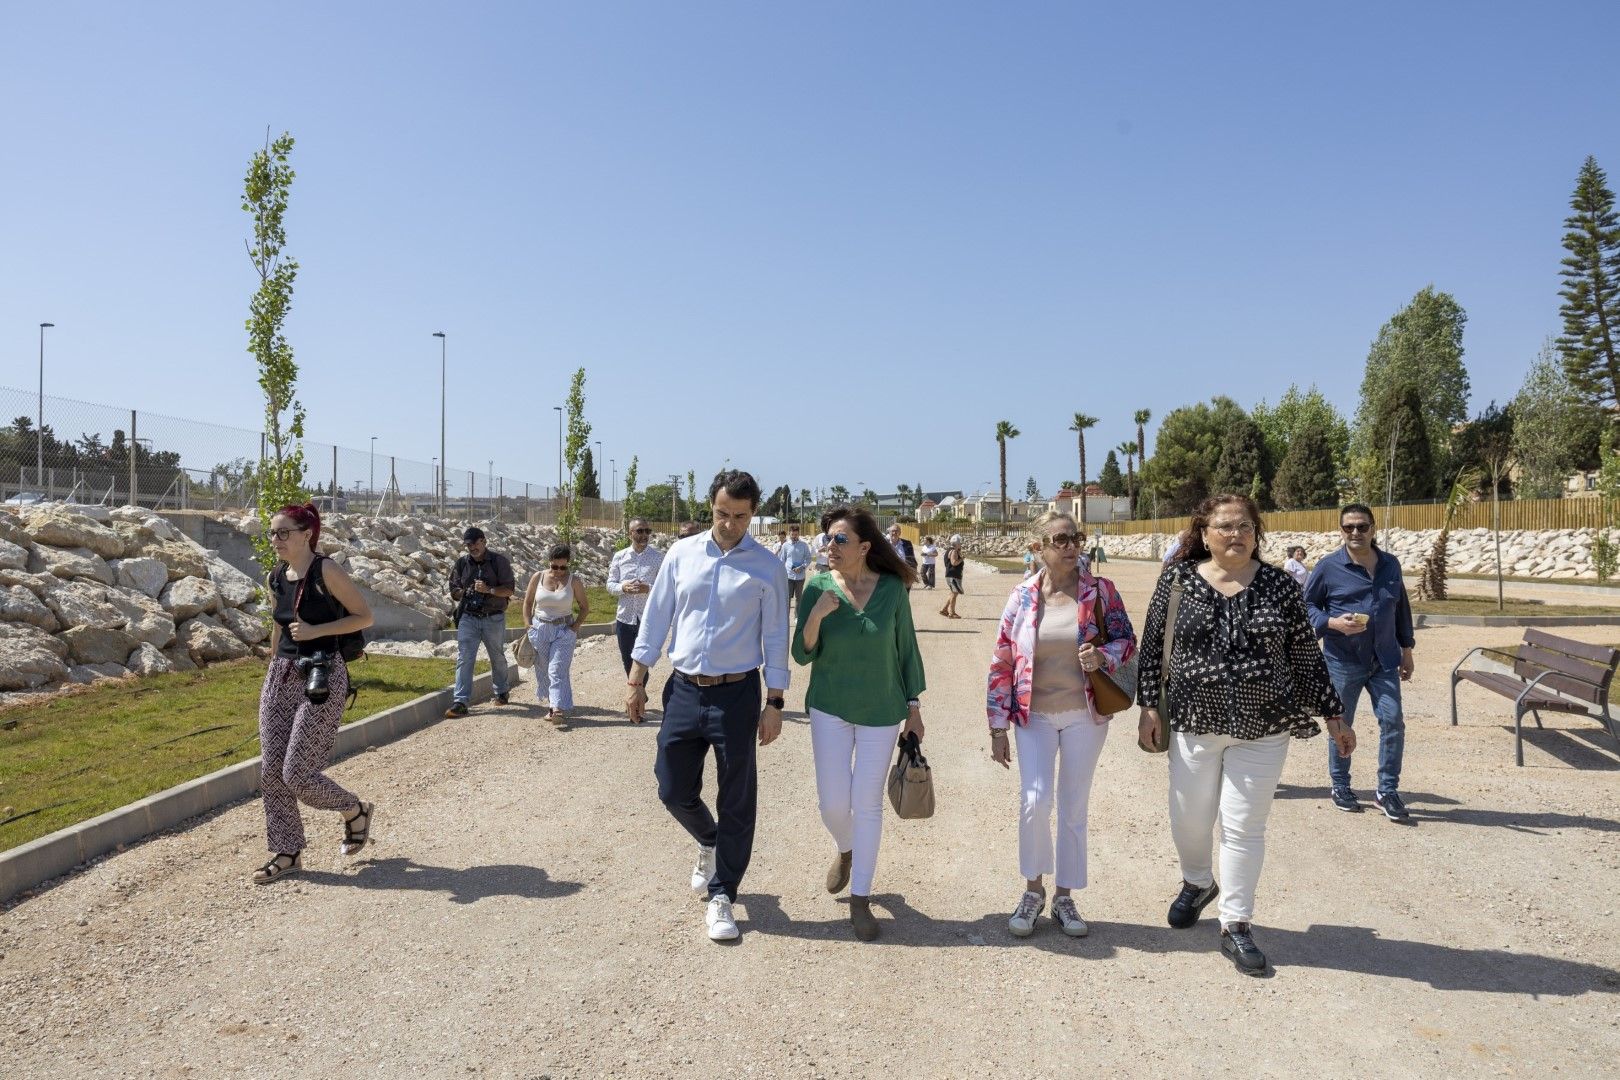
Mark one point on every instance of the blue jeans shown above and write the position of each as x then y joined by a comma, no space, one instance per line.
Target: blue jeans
487,630
1384,688
554,654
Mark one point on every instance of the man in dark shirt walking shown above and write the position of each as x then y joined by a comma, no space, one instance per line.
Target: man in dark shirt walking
1359,608
482,584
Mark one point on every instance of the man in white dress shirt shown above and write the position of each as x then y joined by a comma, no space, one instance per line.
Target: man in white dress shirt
630,577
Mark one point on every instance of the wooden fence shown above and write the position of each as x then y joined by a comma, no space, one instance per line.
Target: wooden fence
1516,514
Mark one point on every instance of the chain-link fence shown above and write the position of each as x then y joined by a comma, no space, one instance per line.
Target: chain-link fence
88,453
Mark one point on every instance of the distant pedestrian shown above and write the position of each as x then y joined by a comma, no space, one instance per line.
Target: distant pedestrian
631,573
866,676
1173,550
548,612
482,584
1245,677
721,602
795,556
1295,565
688,528
305,686
1359,608
953,577
903,548
818,547
1031,554
930,554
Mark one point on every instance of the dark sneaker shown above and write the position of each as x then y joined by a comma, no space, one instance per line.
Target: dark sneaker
1238,943
1392,806
502,699
1345,799
458,709
1186,908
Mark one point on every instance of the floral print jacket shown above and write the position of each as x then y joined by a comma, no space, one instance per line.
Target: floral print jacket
1012,667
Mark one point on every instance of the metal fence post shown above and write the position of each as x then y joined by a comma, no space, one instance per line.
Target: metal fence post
334,478
134,452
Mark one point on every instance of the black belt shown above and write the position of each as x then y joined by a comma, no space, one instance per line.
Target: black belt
712,680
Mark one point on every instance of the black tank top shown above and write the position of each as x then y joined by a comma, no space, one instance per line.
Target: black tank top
315,605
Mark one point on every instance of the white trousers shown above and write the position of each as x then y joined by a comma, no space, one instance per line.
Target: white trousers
1217,778
1057,757
852,764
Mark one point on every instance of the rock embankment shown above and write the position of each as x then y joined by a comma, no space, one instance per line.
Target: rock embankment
88,593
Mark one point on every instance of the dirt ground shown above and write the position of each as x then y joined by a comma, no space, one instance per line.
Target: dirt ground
524,913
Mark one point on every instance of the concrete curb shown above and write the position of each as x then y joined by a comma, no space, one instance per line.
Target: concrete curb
1515,620
51,856
439,637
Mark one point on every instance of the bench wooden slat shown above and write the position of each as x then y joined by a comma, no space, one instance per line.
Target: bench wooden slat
1597,654
1511,687
1564,664
1583,683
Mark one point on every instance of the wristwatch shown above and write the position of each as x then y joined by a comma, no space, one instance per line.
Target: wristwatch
778,702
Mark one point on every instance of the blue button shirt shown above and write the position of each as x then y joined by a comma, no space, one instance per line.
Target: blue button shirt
1339,586
728,610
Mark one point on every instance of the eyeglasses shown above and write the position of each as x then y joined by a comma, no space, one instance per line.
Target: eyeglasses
838,538
282,534
1357,527
1065,540
640,532
1238,528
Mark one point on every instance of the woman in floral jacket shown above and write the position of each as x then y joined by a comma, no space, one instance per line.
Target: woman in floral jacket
1038,687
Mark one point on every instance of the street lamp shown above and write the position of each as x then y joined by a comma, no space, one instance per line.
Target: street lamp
435,481
39,436
443,346
489,496
558,409
371,486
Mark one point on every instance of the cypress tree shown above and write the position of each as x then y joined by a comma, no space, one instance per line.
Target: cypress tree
1111,480
1305,479
1243,460
1591,291
1400,415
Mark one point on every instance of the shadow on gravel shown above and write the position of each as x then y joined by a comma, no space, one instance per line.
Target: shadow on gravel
1579,748
1517,820
462,886
926,630
1357,949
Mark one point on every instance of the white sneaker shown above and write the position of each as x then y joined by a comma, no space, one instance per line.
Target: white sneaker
722,927
1068,916
703,872
1022,923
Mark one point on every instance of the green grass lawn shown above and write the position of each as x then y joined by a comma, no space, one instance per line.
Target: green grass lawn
1006,566
1479,605
86,753
603,605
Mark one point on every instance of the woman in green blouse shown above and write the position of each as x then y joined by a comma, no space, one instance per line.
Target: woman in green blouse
855,632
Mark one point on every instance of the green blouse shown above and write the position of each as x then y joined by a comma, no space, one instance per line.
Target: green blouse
865,665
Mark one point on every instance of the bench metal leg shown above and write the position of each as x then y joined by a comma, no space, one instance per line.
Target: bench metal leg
1454,681
1536,713
1518,736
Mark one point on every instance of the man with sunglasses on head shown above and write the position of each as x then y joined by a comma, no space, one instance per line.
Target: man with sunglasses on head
481,583
1359,608
720,600
630,577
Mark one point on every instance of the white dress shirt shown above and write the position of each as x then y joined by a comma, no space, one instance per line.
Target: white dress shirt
629,565
722,611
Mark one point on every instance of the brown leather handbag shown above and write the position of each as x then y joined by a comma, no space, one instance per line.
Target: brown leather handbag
1106,694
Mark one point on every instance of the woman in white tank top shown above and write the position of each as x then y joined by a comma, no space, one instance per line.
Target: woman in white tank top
548,609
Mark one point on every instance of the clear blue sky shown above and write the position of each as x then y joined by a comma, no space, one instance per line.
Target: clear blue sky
833,242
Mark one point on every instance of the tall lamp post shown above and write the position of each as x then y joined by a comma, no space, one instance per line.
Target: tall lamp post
489,496
613,490
371,485
439,488
39,436
558,408
435,483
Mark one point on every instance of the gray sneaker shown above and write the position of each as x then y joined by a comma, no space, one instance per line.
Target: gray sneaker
1022,923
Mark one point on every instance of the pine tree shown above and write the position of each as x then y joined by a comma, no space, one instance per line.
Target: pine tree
1400,417
1591,340
589,484
1306,479
1244,459
1111,480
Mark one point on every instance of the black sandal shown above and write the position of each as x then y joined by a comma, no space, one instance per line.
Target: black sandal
355,837
276,868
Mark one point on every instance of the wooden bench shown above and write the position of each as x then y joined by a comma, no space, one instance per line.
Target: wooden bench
1550,674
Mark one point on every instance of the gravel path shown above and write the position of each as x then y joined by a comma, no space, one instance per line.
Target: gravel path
524,913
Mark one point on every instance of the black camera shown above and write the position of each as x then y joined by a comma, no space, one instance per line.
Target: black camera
316,670
474,603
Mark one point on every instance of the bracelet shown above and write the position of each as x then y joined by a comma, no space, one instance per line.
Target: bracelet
635,685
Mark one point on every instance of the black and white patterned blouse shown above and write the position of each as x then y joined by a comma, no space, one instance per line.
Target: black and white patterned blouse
1246,666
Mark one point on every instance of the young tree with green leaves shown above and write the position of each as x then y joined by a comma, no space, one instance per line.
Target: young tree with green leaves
1186,448
695,511
1297,412
576,445
630,485
1554,432
1004,431
281,475
1081,424
1400,439
1590,343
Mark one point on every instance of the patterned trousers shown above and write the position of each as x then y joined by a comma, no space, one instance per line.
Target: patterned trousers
296,738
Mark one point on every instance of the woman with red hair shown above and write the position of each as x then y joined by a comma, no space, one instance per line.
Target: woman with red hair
301,704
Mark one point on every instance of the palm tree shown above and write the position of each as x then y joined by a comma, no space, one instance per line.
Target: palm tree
1129,450
839,494
904,491
804,497
1081,423
1004,431
1142,416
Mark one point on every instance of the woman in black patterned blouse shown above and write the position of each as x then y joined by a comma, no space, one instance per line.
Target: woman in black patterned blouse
1245,677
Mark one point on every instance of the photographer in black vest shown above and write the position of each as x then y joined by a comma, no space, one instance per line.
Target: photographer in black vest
319,616
481,584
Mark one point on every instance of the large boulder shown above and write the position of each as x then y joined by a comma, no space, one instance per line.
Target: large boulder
179,659
92,673
19,605
12,556
206,640
30,657
97,645
147,575
71,563
79,603
148,659
182,559
235,587
247,627
11,530
60,527
38,584
147,621
189,596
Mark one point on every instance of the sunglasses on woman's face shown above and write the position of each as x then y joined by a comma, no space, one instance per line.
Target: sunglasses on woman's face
559,567
282,534
1065,540
839,538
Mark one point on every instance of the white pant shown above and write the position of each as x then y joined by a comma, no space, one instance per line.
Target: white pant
1078,741
1217,777
852,764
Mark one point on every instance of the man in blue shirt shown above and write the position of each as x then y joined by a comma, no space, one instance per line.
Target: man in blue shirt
1358,605
795,555
720,598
